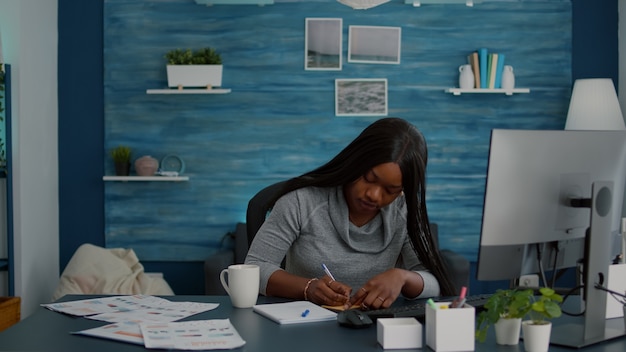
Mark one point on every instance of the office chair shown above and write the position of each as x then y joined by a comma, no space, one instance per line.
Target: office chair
256,213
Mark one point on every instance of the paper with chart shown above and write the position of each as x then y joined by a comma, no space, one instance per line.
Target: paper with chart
106,304
192,335
127,313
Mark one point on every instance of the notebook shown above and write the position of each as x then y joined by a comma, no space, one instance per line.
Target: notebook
294,312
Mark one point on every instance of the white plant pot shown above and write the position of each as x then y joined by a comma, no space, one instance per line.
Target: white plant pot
507,331
536,337
207,76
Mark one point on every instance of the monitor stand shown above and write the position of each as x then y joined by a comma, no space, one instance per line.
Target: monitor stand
594,327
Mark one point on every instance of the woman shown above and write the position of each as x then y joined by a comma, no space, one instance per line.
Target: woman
363,215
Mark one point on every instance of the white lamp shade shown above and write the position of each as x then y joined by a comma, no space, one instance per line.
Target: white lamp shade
594,106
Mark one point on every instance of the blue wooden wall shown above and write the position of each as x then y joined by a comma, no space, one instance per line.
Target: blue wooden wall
279,119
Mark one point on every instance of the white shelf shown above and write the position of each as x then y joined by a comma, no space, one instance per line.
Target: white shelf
188,91
459,91
146,178
234,2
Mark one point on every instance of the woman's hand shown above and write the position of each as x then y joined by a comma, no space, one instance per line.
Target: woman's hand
328,291
383,289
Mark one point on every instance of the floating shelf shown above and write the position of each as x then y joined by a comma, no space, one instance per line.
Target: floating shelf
459,91
188,91
234,2
146,178
418,3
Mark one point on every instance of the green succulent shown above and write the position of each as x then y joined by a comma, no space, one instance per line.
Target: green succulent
121,154
204,56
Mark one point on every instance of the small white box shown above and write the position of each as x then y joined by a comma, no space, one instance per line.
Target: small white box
450,329
399,333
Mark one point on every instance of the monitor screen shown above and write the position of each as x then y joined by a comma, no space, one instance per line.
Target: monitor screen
531,177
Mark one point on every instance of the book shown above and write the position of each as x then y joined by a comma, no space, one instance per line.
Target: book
473,60
294,312
482,59
493,64
499,69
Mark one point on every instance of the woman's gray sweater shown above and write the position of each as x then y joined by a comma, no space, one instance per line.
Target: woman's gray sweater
311,226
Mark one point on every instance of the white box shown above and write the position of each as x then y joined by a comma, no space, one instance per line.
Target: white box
616,281
450,329
399,333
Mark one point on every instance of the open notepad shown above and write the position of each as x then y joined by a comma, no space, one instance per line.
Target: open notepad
295,312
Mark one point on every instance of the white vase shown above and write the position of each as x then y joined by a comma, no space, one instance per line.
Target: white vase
507,331
536,336
466,77
508,78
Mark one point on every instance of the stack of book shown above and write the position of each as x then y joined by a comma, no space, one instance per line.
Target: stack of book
487,68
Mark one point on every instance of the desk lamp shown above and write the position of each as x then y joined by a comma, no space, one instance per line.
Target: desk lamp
594,106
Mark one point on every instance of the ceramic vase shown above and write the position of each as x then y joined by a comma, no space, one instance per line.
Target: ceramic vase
507,331
536,336
466,77
146,166
508,77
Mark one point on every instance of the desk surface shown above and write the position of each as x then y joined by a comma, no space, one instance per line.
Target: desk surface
46,330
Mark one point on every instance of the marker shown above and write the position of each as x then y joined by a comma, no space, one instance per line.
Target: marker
457,303
328,272
461,303
305,313
463,293
431,303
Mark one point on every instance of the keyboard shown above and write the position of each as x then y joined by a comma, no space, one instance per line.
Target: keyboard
418,309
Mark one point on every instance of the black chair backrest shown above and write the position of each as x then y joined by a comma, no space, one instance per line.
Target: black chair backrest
258,208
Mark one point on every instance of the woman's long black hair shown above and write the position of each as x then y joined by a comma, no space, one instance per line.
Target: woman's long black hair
387,140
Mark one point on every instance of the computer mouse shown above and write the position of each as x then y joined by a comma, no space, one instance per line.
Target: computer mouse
354,318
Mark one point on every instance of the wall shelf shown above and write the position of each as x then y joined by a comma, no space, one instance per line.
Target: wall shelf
234,2
146,178
418,3
188,91
459,91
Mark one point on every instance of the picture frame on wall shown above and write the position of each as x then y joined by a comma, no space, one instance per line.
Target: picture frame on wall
323,44
374,44
361,97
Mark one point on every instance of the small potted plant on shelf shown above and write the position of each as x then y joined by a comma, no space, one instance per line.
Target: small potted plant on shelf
200,68
538,328
505,310
121,159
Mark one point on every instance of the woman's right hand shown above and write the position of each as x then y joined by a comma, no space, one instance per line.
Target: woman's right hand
329,292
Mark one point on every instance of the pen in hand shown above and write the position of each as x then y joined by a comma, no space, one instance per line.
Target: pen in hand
328,272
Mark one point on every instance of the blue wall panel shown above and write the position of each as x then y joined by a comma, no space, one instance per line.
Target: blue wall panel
279,119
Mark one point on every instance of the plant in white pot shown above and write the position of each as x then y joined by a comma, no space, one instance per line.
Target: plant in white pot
200,68
538,328
504,310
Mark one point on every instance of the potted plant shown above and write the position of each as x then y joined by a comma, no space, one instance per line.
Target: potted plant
121,159
537,329
200,68
505,310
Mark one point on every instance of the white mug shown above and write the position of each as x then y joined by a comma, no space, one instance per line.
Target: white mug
243,284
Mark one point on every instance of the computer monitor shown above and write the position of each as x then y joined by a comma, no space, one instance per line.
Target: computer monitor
553,199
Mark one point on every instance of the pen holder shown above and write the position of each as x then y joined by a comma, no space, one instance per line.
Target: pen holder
450,329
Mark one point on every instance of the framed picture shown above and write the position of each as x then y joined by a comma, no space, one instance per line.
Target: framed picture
375,45
361,97
322,44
